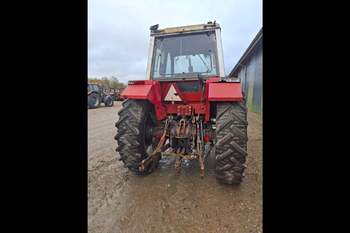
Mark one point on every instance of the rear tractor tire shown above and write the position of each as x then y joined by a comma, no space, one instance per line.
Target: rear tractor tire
133,136
109,101
231,142
94,100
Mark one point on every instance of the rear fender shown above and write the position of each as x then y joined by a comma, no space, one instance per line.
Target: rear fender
225,91
217,91
146,90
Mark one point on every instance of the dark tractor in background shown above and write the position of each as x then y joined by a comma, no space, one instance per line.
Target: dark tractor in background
116,94
97,95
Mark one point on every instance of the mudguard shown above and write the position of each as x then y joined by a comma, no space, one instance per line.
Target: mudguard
137,91
146,90
225,91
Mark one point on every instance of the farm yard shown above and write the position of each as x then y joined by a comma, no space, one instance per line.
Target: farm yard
164,201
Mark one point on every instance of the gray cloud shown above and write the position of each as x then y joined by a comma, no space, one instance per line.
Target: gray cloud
118,31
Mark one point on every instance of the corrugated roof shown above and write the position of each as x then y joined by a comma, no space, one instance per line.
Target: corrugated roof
246,54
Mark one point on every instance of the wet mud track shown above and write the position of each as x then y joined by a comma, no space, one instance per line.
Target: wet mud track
164,201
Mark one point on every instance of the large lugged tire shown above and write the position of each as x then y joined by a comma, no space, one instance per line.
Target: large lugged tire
231,142
108,101
94,100
133,136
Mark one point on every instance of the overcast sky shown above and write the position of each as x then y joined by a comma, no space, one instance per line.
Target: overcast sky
118,30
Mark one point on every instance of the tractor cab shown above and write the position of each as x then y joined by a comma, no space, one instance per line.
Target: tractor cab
183,60
93,88
184,53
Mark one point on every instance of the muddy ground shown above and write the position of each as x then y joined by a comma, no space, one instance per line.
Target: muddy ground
164,201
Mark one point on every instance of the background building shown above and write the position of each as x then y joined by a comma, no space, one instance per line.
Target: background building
249,70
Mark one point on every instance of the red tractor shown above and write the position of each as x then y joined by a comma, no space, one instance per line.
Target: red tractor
186,108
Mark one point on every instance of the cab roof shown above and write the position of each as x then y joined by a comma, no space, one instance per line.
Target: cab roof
182,29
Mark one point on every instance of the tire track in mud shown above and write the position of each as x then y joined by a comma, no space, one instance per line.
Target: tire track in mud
102,164
104,182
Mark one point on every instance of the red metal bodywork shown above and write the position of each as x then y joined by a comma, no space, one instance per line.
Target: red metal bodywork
225,92
155,92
